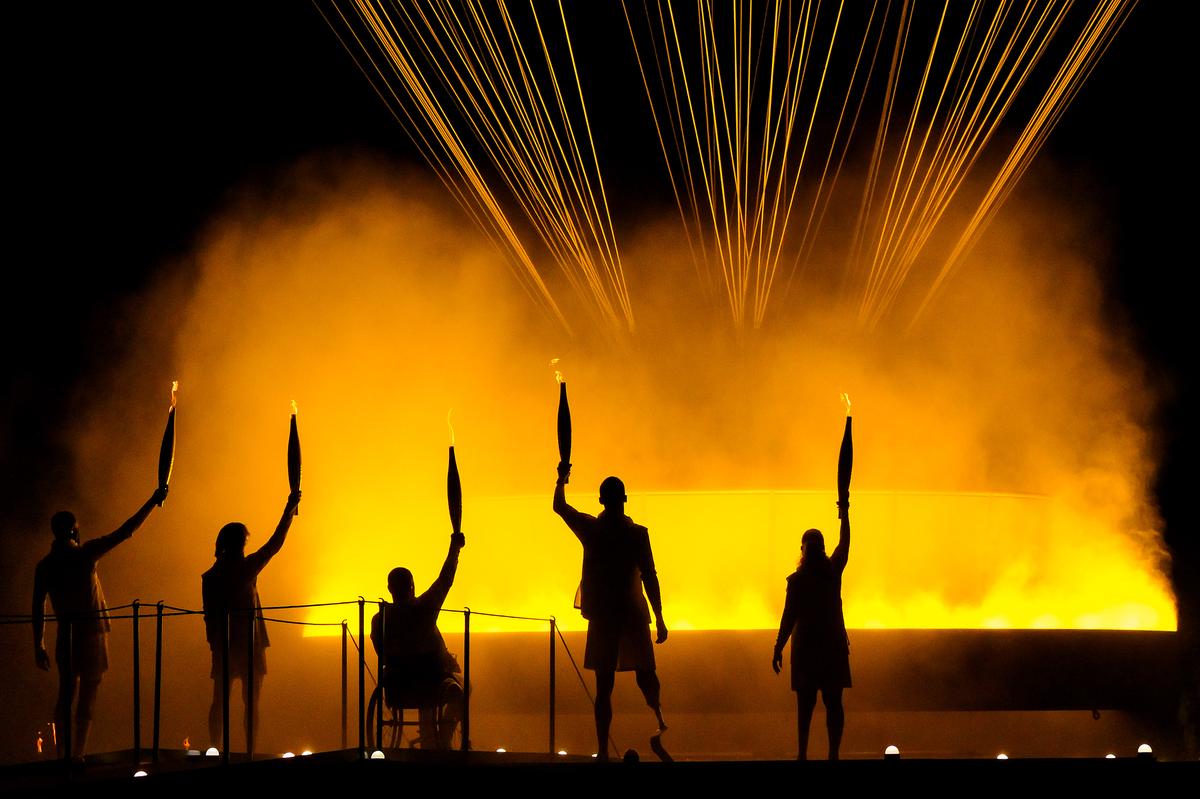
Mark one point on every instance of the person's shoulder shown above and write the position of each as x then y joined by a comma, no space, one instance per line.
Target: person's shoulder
579,520
44,565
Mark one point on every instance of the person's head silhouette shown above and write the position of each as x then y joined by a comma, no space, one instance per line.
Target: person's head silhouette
400,584
812,544
231,541
612,494
63,525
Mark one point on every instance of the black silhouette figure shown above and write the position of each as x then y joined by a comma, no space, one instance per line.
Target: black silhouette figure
418,670
617,564
812,618
230,592
68,576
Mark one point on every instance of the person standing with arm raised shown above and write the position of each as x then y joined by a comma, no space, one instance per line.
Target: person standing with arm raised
812,619
230,591
68,576
617,564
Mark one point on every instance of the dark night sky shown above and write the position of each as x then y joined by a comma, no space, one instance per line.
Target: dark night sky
130,124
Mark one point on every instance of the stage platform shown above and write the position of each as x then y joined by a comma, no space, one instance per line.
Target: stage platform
544,774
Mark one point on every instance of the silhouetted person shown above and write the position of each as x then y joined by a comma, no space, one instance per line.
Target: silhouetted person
617,564
231,584
812,618
418,668
68,575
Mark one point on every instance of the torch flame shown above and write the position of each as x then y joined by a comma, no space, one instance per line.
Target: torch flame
451,426
174,388
846,399
557,374
293,407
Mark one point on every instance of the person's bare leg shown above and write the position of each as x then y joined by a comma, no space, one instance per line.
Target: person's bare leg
251,712
216,736
452,702
835,719
62,708
88,688
427,718
806,700
647,680
604,689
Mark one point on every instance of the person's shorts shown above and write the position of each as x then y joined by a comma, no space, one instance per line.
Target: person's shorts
618,645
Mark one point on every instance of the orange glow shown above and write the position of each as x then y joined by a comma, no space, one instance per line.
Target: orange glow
174,390
558,376
448,413
294,410
846,402
973,504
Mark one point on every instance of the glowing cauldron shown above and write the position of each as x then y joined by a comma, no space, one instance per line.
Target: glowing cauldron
918,560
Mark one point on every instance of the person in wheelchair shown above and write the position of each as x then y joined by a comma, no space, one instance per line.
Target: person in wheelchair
418,670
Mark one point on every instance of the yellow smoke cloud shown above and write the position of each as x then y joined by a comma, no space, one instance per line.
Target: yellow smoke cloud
1002,463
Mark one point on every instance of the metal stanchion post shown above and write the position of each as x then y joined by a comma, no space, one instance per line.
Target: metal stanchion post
379,667
137,683
248,683
362,678
68,722
466,719
225,693
552,692
345,632
157,675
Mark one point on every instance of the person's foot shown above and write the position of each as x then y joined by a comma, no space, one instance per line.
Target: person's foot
657,747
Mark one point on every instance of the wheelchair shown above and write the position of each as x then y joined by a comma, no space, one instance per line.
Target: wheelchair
414,683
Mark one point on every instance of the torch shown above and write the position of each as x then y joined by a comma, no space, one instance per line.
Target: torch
166,452
845,463
293,455
453,485
564,419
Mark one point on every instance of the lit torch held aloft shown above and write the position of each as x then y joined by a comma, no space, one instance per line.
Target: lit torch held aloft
845,463
166,451
564,419
453,485
293,455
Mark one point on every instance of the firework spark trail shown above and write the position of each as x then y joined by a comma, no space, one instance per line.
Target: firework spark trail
944,98
961,149
747,192
735,94
464,79
431,129
961,146
823,194
1103,25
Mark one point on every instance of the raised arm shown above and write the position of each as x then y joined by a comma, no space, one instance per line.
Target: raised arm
560,492
576,520
98,547
841,553
436,595
39,620
275,542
